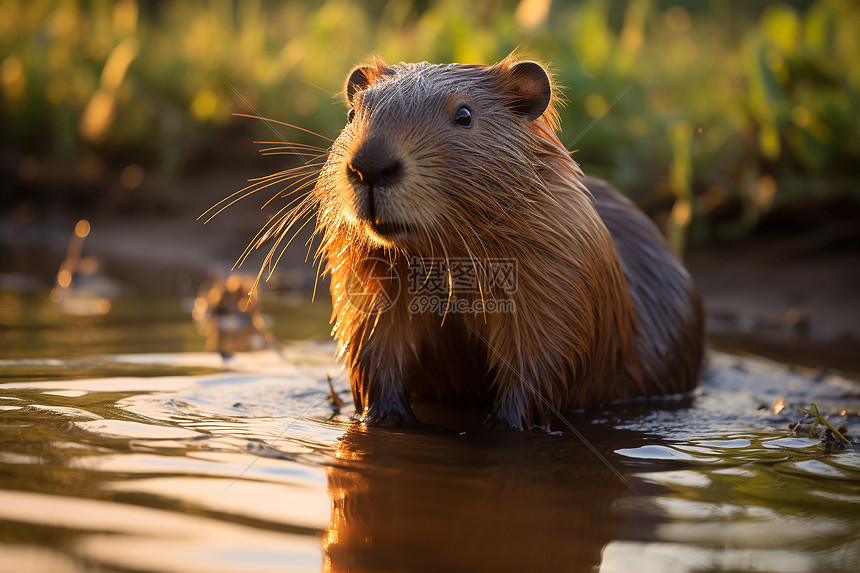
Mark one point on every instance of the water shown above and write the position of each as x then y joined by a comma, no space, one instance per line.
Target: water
126,447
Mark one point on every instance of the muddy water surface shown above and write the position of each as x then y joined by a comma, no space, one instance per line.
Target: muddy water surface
124,447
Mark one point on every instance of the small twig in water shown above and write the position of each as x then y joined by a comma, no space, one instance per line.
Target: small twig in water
819,419
335,399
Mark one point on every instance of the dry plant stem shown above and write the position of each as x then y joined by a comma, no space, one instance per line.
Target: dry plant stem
818,418
335,399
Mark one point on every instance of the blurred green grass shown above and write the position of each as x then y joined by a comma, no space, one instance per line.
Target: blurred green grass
718,111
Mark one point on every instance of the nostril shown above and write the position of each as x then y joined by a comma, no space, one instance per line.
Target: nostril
353,172
392,170
373,172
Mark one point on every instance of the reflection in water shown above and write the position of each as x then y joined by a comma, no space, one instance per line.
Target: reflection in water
488,502
82,288
166,462
227,314
100,475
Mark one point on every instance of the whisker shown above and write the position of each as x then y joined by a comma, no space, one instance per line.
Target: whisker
227,198
299,230
478,277
298,168
287,144
306,182
285,221
289,152
249,193
317,277
272,179
323,90
267,262
269,120
228,205
310,245
263,234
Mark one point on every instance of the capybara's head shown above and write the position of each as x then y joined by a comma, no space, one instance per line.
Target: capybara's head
433,156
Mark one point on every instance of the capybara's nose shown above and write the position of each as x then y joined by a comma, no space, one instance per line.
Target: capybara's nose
372,174
373,166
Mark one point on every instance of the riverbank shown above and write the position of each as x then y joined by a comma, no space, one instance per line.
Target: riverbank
790,296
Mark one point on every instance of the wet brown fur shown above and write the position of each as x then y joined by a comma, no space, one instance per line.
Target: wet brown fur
603,309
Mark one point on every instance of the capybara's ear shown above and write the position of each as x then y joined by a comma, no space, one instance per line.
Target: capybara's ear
530,89
363,76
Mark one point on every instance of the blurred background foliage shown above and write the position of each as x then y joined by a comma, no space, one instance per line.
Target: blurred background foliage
712,113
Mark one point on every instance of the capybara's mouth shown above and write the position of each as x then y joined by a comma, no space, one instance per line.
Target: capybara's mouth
389,230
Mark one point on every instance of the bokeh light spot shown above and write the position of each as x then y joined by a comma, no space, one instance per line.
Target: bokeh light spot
131,177
29,168
594,104
677,19
82,228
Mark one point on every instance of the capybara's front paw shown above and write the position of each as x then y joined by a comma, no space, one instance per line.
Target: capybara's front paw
389,419
495,423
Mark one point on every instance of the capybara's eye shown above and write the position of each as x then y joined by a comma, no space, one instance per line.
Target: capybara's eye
350,115
463,117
